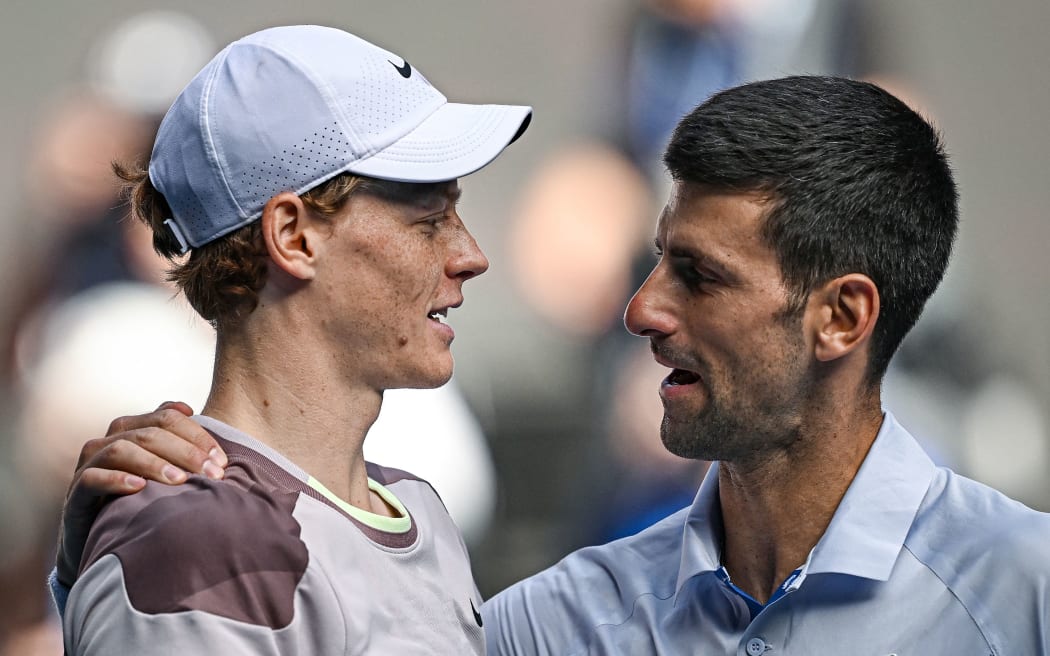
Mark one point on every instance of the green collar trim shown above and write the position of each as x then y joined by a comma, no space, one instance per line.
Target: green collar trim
401,524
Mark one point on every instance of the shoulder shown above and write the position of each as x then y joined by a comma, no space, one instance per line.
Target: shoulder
989,551
205,545
635,564
962,515
589,587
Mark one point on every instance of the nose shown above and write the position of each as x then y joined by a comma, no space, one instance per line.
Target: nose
467,261
649,311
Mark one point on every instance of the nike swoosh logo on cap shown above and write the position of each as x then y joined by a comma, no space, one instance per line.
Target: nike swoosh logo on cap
477,615
405,70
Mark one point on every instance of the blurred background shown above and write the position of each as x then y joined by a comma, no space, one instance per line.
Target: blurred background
547,439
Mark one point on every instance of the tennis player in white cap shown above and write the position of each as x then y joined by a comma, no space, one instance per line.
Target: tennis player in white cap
305,186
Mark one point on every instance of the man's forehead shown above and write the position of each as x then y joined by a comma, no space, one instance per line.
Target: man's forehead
674,211
692,204
714,225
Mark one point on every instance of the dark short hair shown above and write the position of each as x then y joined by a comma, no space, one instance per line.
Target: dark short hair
857,182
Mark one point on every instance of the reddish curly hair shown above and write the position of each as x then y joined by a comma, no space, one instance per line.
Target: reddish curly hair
221,279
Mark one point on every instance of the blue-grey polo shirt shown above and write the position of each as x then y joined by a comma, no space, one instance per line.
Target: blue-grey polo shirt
916,560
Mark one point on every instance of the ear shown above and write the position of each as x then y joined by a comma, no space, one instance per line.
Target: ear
844,316
290,235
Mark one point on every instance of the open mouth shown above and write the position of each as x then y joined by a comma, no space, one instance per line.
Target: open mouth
681,377
438,315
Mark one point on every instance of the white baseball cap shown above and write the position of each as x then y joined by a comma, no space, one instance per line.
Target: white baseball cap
288,108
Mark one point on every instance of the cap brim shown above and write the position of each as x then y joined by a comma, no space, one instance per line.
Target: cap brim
454,141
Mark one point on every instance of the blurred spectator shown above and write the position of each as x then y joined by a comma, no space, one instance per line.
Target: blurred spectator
581,220
682,51
72,213
72,209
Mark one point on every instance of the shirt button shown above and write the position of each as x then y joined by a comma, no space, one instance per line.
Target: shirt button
756,647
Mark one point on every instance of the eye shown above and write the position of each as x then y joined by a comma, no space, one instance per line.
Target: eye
431,223
693,278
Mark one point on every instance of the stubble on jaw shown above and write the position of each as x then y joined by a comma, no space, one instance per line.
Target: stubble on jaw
743,435
748,417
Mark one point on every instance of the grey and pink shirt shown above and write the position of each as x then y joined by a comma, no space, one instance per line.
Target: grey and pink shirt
267,561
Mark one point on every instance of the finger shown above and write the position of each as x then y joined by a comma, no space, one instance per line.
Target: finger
95,483
90,448
197,435
85,497
155,454
174,421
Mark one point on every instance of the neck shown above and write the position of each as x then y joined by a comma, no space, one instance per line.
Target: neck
776,510
299,401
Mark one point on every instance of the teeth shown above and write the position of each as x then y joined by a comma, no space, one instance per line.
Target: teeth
435,314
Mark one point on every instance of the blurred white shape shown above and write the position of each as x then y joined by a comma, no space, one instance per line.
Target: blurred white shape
1005,436
146,60
433,434
114,350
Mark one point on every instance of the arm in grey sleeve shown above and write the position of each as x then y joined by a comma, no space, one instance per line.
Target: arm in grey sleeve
100,619
201,568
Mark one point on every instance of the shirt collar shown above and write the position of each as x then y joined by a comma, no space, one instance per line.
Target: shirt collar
867,530
702,536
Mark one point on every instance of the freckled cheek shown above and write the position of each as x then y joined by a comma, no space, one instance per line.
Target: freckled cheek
395,292
420,288
407,302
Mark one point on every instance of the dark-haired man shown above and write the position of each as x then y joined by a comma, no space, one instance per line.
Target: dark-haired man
811,219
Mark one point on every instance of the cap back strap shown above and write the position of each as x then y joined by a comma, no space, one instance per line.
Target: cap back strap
177,231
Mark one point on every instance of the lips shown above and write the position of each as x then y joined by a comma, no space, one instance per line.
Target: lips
680,374
683,383
439,312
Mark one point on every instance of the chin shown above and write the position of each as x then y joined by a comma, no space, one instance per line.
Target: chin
438,381
432,377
